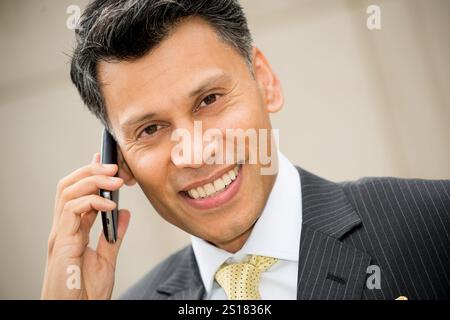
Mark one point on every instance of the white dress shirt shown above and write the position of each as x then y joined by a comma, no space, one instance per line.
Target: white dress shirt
275,234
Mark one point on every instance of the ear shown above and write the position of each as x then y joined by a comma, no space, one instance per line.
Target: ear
268,82
124,170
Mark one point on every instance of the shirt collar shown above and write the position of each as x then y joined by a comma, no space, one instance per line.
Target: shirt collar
275,234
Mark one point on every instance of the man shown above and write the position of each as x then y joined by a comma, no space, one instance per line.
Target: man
149,68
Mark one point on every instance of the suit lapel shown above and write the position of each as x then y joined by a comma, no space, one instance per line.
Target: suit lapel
185,282
328,268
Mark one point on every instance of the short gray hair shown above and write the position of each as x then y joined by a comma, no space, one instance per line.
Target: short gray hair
115,30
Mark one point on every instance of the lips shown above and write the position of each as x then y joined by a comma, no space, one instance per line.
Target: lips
216,192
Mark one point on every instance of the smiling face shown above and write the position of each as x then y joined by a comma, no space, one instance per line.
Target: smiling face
192,76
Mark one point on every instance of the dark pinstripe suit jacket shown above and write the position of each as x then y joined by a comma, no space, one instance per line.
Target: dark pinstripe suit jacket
402,226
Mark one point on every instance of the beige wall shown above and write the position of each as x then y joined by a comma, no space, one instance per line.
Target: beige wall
358,103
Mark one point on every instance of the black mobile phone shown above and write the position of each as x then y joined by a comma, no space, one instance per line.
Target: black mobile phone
109,218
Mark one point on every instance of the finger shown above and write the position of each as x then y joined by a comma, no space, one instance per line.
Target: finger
86,171
70,220
110,250
77,175
95,168
86,186
96,158
91,185
88,219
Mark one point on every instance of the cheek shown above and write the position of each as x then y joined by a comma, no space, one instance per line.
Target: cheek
247,113
150,170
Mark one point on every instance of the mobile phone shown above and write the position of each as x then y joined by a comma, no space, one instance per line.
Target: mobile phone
109,218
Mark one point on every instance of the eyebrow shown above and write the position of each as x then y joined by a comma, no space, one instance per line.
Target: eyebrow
204,84
137,119
210,80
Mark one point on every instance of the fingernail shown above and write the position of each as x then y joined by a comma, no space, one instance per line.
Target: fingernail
115,179
108,165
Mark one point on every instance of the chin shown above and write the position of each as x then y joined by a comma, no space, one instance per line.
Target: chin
228,233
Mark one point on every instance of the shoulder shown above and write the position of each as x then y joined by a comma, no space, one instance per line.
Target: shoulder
385,193
402,212
382,203
146,287
406,230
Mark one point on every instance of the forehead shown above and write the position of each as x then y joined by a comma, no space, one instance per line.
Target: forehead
192,52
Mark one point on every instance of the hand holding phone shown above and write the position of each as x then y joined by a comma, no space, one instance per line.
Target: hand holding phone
75,269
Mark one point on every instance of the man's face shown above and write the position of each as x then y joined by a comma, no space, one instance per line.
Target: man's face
191,76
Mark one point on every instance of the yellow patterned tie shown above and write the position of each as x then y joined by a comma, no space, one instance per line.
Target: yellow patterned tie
241,280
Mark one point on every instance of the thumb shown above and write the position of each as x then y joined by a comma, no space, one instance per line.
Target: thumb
107,250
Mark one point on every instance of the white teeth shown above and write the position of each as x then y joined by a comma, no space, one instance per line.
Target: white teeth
216,186
219,185
201,192
193,193
209,188
226,179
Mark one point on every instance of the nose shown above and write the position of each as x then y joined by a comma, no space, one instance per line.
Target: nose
191,148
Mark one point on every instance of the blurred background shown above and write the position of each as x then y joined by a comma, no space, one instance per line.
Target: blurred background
359,102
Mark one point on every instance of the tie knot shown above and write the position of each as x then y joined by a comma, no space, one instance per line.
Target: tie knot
241,280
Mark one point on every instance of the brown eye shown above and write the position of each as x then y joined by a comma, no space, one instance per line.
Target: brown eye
151,129
210,99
